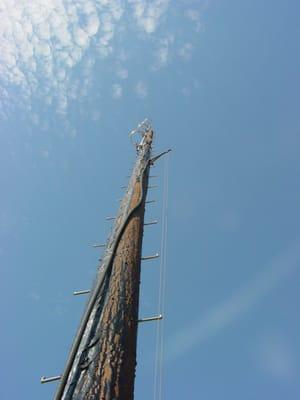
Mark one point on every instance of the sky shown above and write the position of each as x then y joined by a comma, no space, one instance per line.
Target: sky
219,81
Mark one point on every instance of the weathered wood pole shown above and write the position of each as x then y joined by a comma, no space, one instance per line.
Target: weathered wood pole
115,372
102,360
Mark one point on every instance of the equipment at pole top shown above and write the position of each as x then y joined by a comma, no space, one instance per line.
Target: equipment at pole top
144,129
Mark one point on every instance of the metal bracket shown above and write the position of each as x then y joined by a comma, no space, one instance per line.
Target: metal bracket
110,218
79,292
152,161
44,379
151,222
158,317
150,257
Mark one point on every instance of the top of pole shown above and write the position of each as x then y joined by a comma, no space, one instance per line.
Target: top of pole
144,129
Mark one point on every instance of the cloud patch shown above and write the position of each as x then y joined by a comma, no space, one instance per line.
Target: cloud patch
274,356
117,91
162,53
41,42
122,73
235,306
141,90
185,51
49,49
194,15
148,14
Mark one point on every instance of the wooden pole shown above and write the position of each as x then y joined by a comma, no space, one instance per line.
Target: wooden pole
102,361
115,370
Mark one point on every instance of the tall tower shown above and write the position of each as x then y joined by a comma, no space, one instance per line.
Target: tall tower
102,360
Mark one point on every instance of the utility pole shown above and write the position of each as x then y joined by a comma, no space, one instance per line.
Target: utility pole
102,360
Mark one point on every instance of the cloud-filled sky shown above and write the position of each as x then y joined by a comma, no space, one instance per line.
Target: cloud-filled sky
51,50
220,83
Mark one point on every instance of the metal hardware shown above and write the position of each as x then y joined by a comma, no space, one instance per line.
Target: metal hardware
150,257
110,218
141,129
152,161
99,245
150,201
151,222
158,317
44,379
79,292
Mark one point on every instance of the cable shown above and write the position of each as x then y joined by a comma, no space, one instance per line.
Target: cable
159,353
158,326
164,280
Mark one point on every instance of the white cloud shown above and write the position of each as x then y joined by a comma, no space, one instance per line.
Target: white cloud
122,73
117,91
148,13
92,25
68,129
42,49
43,41
81,37
47,39
185,51
162,54
194,16
274,357
61,74
62,103
236,305
141,90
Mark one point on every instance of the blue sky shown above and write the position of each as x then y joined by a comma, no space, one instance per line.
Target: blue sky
220,82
